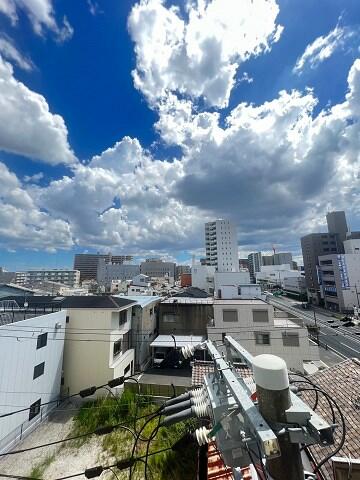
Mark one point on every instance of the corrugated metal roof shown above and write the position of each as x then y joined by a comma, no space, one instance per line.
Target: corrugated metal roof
181,340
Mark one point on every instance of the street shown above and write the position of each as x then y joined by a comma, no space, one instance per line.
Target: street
345,341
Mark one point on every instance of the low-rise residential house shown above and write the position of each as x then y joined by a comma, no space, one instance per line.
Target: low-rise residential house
144,327
105,323
254,325
31,359
10,289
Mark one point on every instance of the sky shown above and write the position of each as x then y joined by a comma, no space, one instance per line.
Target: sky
126,125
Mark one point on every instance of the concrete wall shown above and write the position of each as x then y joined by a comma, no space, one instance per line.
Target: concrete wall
189,319
245,328
202,276
241,291
92,363
18,357
230,278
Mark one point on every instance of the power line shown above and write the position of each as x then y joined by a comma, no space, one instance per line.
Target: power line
83,393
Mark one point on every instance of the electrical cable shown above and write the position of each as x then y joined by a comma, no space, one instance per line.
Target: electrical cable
114,473
152,436
306,380
317,390
86,392
343,434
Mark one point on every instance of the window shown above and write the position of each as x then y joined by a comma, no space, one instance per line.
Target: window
122,317
42,341
39,370
151,311
67,319
262,338
127,369
230,316
260,316
117,348
290,339
170,317
34,409
239,290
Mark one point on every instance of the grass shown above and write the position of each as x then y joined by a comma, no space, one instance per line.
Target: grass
39,469
118,444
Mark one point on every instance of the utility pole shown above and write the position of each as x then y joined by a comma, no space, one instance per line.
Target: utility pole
272,387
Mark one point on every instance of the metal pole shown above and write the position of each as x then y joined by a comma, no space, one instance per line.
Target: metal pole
316,326
272,387
357,295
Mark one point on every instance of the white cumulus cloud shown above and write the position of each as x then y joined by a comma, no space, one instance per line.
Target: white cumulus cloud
27,127
41,15
198,55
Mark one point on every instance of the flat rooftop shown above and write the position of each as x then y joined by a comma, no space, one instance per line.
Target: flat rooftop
190,300
239,301
181,340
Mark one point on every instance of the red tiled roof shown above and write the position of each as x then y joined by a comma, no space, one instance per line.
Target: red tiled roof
201,368
217,470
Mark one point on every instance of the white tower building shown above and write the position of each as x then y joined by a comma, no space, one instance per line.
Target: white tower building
221,246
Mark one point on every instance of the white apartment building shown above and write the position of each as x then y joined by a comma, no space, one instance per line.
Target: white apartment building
339,276
221,246
242,291
254,325
276,274
105,322
67,277
31,357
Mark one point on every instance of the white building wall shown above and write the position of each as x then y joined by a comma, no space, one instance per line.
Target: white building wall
241,291
244,330
18,357
222,279
351,296
92,363
276,274
202,276
352,246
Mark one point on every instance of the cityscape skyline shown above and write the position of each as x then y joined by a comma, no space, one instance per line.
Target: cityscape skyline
152,155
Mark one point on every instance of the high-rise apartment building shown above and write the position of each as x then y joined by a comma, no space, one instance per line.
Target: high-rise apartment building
255,263
221,246
87,263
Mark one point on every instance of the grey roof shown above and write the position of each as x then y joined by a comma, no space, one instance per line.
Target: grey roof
192,292
75,301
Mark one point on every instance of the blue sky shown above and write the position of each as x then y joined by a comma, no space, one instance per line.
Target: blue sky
199,132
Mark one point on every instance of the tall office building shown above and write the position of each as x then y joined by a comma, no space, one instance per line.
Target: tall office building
336,222
255,263
87,263
282,258
221,246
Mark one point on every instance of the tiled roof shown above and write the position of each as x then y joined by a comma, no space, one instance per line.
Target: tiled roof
201,368
75,301
342,382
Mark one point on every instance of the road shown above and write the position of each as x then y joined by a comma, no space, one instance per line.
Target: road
345,341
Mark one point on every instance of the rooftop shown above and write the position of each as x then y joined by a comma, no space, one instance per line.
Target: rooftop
342,382
142,300
181,340
240,301
190,300
75,301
